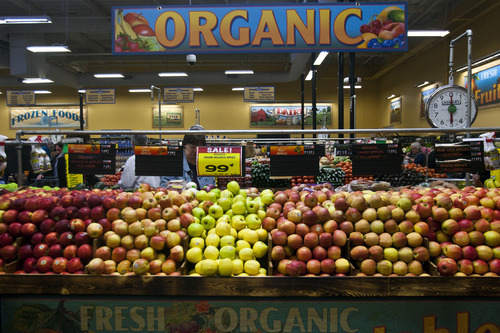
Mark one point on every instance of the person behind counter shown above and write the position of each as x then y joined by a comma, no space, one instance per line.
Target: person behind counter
189,174
58,163
416,155
129,178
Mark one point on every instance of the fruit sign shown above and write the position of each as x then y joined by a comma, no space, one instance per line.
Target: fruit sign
278,28
219,161
120,314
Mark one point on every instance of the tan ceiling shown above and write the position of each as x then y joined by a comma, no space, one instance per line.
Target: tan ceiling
85,26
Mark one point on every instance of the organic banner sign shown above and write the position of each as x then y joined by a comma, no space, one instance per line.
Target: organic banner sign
46,117
395,114
485,86
21,97
100,96
155,314
335,27
171,116
288,114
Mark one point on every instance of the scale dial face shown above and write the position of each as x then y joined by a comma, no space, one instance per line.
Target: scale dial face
447,107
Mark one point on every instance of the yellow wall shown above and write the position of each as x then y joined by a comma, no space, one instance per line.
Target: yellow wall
223,109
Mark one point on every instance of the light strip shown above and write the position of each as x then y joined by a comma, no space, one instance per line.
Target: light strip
235,72
391,97
36,80
238,89
48,48
25,20
358,86
420,85
142,90
172,74
480,61
319,59
197,89
427,33
41,92
109,76
309,76
82,91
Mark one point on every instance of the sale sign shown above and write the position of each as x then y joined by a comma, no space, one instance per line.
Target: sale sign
219,161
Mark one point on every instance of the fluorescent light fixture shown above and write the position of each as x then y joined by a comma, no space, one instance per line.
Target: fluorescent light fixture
236,72
309,76
238,89
48,48
392,96
25,19
82,91
480,61
109,76
172,74
141,90
420,85
319,59
35,80
40,92
427,33
357,86
197,89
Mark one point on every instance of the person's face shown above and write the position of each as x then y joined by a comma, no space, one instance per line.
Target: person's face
58,150
190,152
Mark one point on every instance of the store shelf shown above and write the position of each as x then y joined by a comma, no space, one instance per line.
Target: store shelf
353,287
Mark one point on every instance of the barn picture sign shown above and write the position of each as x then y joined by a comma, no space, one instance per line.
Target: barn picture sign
262,115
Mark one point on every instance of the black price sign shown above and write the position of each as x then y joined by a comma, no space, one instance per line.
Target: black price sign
460,157
158,161
92,159
288,161
376,159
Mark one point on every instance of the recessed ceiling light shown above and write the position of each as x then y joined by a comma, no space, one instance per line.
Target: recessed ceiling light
35,80
357,86
420,85
141,90
48,48
172,74
427,33
109,76
236,72
197,89
391,96
42,92
238,89
25,19
82,91
319,59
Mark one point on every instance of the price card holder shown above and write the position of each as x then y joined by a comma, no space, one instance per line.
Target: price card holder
92,159
219,161
376,159
301,160
158,161
460,157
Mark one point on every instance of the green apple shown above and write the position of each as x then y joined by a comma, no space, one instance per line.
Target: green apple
209,267
225,203
222,229
253,221
239,207
227,240
234,187
194,255
263,234
215,211
227,251
227,194
243,193
197,242
242,244
224,218
267,198
212,196
253,206
250,236
198,212
261,214
229,213
238,222
226,267
212,239
246,254
211,252
208,222
195,230
239,197
259,249
251,267
200,195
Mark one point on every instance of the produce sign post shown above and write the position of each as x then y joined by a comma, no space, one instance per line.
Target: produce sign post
158,161
92,159
460,157
287,161
219,161
376,159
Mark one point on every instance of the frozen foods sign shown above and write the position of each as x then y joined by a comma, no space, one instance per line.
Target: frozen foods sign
46,117
346,27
